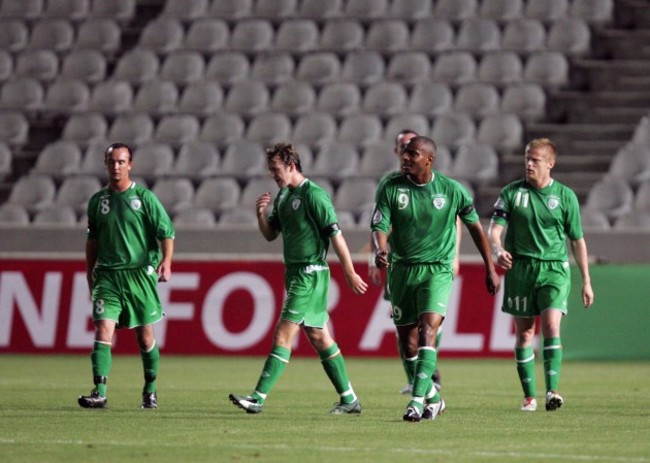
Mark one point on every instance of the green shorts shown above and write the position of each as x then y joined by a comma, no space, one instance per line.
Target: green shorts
307,288
128,297
416,289
532,286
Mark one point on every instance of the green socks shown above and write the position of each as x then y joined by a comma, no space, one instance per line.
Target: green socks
274,366
525,357
150,361
552,362
101,360
424,368
334,366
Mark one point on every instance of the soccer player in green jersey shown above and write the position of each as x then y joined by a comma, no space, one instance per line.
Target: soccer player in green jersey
303,213
127,228
420,209
540,214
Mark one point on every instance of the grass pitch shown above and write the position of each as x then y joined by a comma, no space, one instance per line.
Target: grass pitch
606,416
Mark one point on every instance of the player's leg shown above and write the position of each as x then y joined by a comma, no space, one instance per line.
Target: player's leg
101,361
525,358
150,355
552,354
437,377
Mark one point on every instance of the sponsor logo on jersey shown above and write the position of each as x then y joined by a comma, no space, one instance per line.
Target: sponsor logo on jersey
295,204
135,203
553,202
439,201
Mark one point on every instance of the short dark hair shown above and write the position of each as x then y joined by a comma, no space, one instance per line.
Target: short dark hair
425,142
116,146
286,152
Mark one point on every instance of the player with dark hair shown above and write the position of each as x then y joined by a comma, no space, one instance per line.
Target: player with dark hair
127,228
539,213
420,209
303,213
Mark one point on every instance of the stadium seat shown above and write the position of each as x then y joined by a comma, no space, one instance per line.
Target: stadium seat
314,129
388,36
432,34
88,65
137,66
548,69
594,220
14,128
195,217
385,99
355,195
478,100
337,161
570,36
377,159
23,9
132,128
456,10
228,68
641,133
547,10
524,36
612,196
6,161
636,220
341,35
162,35
156,97
201,98
642,199
58,159
504,132
237,217
93,160
22,94
430,98
501,10
527,101
13,214
85,128
478,35
122,11
175,194
111,97
274,9
196,160
297,36
177,129
183,67
410,9
412,121
294,98
14,34
501,68
56,215
38,64
217,194
325,183
632,162
187,11
207,35
75,191
360,129
319,68
73,10
269,128
273,68
33,192
477,164
366,9
52,34
444,162
253,189
409,68
363,67
248,98
244,159
339,99
251,35
152,161
455,68
593,11
222,129
6,65
320,9
453,130
103,34
232,10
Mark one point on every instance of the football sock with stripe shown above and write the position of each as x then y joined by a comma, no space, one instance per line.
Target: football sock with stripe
101,359
334,365
150,362
552,362
274,366
424,368
525,358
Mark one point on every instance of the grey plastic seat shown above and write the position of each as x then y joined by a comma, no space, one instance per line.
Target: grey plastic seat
477,100
183,67
548,69
593,11
222,129
453,130
388,35
377,159
409,68
156,97
132,128
13,214
175,194
314,129
410,9
594,220
6,65
320,9
58,159
14,34
385,99
58,215
176,129
231,10
237,218
274,9
38,64
273,68
341,35
14,128
188,10
248,98
122,11
74,10
217,194
297,36
85,64
55,34
612,196
547,10
360,129
207,35
501,10
570,36
244,159
33,192
294,98
24,94
430,98
111,97
85,128
339,99
632,162
642,199
363,67
152,161
337,161
478,35
433,34
502,131
412,121
633,220
75,191
455,68
642,131
456,10
477,164
366,9
201,98
524,36
319,68
103,34
162,35
137,66
251,35
196,160
501,68
355,195
269,128
228,68
444,162
195,217
6,161
24,9
345,219
93,160
527,101
253,189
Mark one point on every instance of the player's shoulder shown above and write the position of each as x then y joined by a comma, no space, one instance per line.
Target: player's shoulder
514,186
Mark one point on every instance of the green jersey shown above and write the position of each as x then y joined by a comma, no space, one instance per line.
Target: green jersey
127,226
306,218
539,220
423,218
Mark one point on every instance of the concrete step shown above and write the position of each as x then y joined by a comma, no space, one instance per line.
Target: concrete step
613,75
566,134
623,44
609,115
579,106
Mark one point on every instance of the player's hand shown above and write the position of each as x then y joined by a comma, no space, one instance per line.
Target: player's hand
492,281
587,295
356,284
164,271
374,275
381,259
262,201
504,259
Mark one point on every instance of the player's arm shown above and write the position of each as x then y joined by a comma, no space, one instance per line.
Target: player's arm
354,281
495,234
579,249
268,231
459,235
380,244
492,280
165,266
91,260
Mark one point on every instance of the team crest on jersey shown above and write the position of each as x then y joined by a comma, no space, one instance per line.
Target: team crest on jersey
135,203
295,204
553,202
439,201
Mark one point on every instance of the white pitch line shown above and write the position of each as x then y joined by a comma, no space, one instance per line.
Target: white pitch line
418,451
